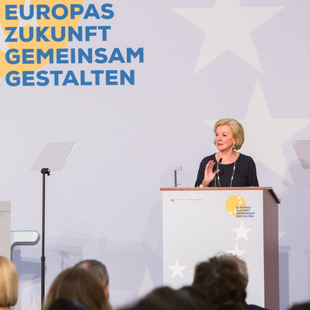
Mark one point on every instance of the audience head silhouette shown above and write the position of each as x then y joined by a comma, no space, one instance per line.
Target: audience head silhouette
8,283
222,281
64,304
166,298
301,306
78,285
99,269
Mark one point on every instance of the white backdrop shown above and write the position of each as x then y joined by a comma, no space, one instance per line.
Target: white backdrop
196,61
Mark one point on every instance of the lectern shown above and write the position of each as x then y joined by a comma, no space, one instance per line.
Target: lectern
202,222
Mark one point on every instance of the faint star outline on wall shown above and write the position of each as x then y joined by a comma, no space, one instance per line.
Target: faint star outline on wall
241,232
4,47
265,135
33,22
228,27
237,251
177,270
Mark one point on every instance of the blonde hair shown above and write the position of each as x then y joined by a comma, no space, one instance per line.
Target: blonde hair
8,283
236,128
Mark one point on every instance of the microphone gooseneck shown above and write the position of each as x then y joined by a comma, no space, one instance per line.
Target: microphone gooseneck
217,168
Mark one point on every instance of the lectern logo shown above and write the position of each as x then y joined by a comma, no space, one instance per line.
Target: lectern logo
237,206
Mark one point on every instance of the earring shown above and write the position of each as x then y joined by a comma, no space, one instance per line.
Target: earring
234,147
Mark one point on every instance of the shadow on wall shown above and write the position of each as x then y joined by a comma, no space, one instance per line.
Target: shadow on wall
294,209
26,267
284,252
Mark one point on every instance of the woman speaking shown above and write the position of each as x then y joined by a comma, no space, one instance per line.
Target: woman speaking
227,167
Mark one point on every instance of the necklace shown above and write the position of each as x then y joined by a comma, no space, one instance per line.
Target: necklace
232,175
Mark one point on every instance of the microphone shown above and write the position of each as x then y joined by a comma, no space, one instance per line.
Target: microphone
217,168
218,165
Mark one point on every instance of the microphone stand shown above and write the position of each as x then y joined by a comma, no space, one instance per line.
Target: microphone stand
216,175
44,171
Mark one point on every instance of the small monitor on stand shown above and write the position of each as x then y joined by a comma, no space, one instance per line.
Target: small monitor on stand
54,156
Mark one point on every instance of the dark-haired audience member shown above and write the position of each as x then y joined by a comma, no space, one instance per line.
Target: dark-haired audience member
8,284
78,285
224,279
64,304
194,297
245,279
301,306
166,298
99,269
219,279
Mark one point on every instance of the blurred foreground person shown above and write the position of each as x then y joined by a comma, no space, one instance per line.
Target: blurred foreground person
219,279
99,269
244,275
78,285
8,284
224,279
64,304
166,298
302,306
